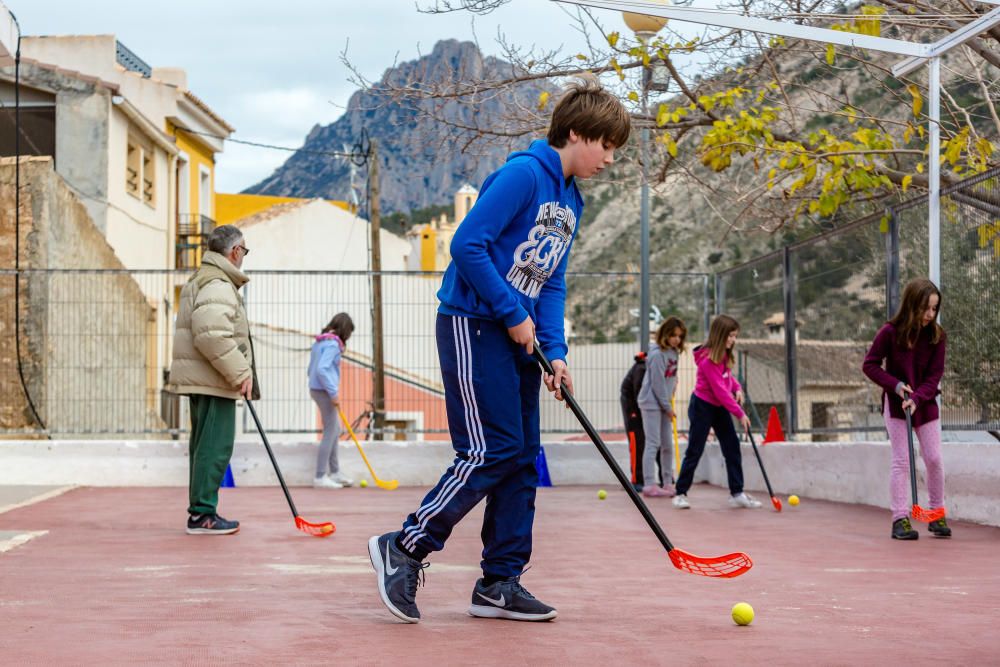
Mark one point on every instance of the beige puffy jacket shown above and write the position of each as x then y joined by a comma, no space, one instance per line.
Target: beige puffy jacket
213,352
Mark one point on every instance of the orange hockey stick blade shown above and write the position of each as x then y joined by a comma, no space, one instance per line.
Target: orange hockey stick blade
776,502
927,516
730,565
315,529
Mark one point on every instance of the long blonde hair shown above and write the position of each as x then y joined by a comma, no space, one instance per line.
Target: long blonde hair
722,326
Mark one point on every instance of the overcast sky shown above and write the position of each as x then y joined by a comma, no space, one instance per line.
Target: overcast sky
273,70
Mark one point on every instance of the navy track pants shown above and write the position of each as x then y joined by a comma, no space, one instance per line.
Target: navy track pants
491,393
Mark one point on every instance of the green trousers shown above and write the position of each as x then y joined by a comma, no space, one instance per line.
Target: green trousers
213,430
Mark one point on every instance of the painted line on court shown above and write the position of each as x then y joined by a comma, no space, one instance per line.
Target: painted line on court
19,539
48,495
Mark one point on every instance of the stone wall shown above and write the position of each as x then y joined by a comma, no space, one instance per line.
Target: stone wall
84,334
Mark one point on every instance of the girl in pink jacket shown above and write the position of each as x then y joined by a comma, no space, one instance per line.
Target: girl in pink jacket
717,398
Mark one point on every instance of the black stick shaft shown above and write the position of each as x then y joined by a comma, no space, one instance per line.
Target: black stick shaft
913,461
274,461
761,462
608,458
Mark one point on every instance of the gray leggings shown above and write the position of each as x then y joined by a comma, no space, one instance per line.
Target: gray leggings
659,440
328,446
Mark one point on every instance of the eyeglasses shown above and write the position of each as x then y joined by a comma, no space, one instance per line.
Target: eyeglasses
246,250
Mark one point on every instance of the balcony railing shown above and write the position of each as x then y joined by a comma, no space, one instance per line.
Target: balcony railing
192,235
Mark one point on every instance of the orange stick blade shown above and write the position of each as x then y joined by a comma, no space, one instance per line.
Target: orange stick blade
776,502
325,529
728,566
927,516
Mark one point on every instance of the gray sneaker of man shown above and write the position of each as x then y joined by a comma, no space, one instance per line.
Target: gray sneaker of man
398,576
508,599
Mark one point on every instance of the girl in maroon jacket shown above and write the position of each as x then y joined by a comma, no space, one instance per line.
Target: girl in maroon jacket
912,345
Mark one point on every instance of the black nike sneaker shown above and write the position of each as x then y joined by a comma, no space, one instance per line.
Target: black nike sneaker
508,599
902,530
940,528
398,576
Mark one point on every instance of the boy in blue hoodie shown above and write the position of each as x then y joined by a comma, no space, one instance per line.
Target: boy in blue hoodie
504,288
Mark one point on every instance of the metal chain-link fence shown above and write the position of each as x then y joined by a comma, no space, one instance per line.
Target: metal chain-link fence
94,348
809,312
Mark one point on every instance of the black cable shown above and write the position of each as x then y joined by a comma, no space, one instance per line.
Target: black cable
359,154
17,223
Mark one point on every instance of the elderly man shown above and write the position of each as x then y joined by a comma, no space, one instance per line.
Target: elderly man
214,365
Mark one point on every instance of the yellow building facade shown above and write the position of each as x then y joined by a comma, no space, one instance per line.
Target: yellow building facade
232,207
431,243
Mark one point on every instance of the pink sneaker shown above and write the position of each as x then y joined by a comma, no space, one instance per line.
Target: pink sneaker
669,491
655,492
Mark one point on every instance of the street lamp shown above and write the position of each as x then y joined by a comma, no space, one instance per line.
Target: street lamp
645,28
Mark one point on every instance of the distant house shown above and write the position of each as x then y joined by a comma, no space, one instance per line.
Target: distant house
126,170
309,259
430,244
832,391
134,142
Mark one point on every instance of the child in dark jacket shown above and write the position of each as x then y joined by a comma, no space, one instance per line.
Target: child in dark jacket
912,346
632,416
717,395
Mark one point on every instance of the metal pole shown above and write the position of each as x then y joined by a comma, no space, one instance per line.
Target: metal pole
720,298
791,375
706,307
934,171
644,223
891,265
378,362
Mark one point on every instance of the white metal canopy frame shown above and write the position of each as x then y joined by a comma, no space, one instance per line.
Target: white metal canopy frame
916,55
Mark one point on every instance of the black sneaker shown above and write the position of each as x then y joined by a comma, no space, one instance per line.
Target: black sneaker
940,528
398,576
902,530
508,599
211,524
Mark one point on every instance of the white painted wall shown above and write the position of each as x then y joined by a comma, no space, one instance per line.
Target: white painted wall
139,233
287,310
842,472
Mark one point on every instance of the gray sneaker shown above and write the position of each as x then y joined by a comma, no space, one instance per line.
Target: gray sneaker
508,599
398,576
744,500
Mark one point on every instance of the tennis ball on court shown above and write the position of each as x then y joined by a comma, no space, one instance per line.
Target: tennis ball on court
364,483
793,500
742,613
602,494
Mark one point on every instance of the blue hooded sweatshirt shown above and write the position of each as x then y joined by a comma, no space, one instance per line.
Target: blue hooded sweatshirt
509,255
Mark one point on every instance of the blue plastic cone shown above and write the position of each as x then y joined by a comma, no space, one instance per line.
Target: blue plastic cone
543,468
227,480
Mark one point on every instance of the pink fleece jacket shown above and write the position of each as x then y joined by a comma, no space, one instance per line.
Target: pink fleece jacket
716,383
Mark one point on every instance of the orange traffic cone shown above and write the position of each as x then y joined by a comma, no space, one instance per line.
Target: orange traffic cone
774,432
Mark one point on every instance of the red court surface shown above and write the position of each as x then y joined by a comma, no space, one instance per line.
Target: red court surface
116,581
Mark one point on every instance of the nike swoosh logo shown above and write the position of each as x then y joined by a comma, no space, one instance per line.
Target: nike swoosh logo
389,569
501,602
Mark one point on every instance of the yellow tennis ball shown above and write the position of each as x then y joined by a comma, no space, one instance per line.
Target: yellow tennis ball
742,613
364,483
793,500
602,494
